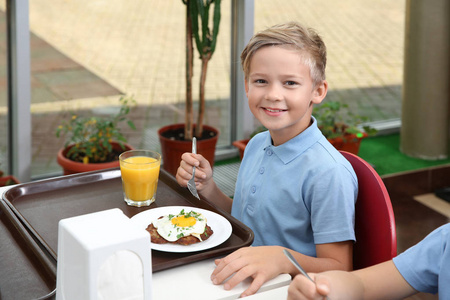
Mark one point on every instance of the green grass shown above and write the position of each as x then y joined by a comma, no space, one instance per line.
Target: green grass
383,152
227,161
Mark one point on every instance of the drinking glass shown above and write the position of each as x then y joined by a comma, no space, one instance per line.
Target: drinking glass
140,173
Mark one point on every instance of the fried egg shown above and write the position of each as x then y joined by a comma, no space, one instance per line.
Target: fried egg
174,227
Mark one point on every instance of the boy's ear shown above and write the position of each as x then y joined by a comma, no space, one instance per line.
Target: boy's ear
320,92
246,87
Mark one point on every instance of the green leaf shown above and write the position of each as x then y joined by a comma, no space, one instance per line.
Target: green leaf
95,132
131,125
336,119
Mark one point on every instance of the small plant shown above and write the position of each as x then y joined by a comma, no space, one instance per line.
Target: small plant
334,122
91,137
7,180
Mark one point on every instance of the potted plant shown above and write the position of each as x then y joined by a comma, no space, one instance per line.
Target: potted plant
341,126
241,144
7,179
93,143
176,139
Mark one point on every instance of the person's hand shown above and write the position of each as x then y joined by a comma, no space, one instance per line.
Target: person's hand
203,171
302,288
262,263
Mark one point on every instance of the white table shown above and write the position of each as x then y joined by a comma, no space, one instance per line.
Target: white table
273,294
194,279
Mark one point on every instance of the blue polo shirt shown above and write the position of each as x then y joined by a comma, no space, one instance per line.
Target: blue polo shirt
426,266
298,194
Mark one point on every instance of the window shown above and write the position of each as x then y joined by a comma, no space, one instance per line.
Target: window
86,54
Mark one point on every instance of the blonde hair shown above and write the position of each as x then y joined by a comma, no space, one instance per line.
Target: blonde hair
292,34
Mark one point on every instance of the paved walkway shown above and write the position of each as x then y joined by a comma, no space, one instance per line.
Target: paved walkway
138,46
104,48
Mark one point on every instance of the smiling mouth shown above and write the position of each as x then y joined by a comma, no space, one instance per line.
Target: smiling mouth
274,110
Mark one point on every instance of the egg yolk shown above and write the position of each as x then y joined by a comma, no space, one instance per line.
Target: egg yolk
182,221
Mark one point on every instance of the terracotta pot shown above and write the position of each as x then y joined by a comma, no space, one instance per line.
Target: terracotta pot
171,149
349,143
8,180
241,144
72,167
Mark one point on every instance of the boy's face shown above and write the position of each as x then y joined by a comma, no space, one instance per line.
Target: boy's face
281,92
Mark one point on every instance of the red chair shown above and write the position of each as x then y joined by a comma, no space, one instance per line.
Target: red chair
376,239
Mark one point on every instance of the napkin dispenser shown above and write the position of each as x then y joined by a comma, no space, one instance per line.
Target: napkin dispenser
103,256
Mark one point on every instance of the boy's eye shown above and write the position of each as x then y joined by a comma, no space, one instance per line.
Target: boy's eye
291,83
260,81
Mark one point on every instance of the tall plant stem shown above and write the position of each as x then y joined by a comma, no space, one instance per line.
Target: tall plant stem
201,109
205,40
189,115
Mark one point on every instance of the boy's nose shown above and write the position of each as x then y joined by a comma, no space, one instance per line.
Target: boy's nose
274,93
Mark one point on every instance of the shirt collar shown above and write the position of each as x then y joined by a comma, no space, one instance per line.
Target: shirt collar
294,147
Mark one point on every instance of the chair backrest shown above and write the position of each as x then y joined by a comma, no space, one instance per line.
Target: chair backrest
376,239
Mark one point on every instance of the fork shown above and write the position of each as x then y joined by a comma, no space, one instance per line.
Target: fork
191,182
298,266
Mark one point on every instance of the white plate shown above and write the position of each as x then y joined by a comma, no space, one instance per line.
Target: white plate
221,227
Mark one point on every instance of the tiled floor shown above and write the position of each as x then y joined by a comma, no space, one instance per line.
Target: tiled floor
54,75
435,203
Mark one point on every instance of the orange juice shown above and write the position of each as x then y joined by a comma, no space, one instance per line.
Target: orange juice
140,178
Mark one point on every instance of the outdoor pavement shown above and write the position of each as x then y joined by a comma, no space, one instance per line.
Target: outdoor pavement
86,53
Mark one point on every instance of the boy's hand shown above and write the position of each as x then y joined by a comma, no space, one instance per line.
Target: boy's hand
262,263
203,171
302,288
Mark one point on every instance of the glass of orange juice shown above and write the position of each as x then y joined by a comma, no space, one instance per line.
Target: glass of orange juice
140,172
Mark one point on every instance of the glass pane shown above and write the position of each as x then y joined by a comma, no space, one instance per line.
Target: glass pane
4,161
85,54
364,42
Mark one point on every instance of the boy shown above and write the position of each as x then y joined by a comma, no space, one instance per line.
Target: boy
294,189
424,267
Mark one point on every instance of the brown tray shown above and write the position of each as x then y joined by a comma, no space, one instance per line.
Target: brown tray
37,207
23,275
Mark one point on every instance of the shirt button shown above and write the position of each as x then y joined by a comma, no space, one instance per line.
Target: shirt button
253,189
261,170
269,152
